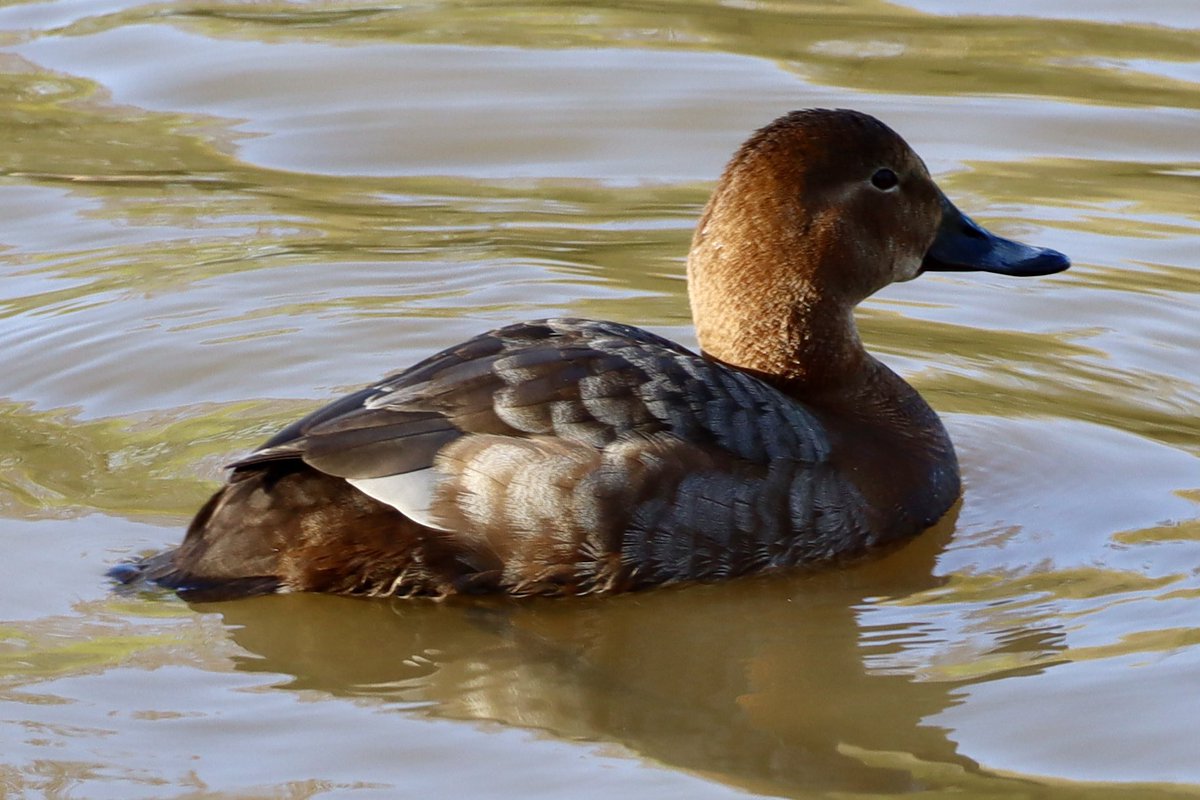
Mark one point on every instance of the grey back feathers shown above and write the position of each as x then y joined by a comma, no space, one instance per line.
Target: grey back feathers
578,456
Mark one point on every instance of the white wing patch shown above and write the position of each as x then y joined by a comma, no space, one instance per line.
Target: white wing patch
411,493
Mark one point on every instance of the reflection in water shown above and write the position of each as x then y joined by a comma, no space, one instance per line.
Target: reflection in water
759,682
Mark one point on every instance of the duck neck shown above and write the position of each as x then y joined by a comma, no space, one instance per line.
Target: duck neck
797,341
811,351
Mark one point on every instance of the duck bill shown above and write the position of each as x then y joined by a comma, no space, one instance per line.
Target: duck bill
963,245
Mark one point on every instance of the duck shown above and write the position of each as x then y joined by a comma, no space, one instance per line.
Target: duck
581,457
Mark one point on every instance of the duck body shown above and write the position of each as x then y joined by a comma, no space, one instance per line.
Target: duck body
569,456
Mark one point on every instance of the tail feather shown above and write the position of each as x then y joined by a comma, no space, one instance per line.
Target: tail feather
282,526
160,570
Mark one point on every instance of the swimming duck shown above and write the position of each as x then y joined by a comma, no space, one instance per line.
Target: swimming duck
572,456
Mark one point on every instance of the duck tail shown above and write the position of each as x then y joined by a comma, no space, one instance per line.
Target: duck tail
160,570
188,571
282,526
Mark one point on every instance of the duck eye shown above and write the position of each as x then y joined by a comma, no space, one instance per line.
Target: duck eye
884,180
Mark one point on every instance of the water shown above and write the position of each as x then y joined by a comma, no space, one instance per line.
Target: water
215,216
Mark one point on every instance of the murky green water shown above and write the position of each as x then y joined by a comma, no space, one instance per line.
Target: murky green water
214,216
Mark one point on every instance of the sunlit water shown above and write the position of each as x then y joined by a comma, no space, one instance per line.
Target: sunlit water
216,216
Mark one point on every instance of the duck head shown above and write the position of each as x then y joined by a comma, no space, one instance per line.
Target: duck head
814,213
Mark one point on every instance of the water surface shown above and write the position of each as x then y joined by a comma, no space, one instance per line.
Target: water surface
216,216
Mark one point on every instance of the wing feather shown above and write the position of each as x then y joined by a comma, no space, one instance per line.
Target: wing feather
631,418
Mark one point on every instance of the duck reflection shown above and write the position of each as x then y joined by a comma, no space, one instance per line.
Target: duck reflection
759,683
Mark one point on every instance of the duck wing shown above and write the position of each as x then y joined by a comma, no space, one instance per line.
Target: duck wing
583,382
578,456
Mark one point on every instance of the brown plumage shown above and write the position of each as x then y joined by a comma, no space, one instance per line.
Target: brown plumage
572,456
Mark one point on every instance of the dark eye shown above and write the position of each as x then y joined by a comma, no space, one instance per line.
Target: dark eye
884,180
